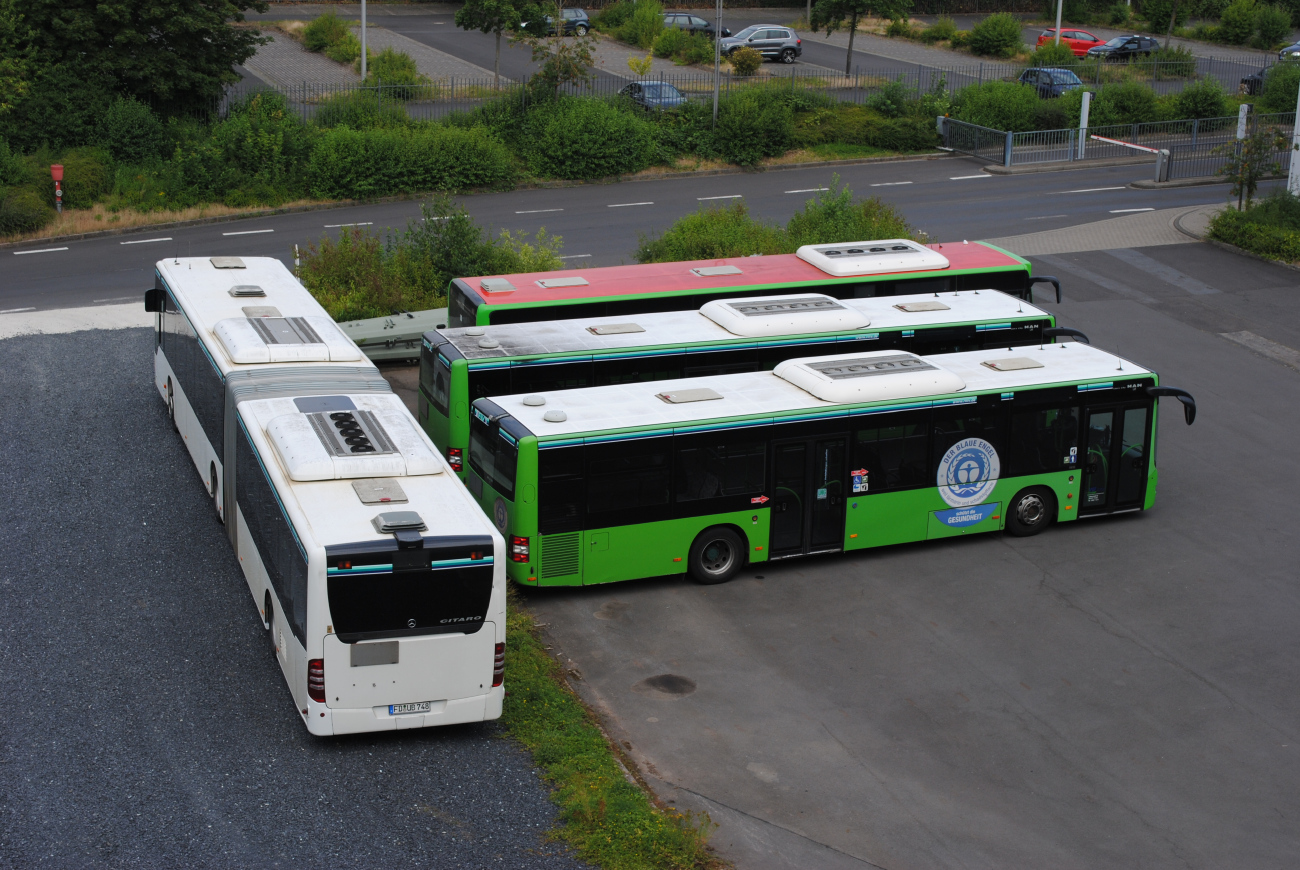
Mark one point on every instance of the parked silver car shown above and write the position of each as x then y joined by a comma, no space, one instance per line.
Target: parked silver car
773,41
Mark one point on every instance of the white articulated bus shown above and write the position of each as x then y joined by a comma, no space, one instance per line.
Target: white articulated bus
233,335
381,583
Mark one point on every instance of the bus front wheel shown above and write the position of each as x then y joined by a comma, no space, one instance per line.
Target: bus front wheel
1031,511
717,554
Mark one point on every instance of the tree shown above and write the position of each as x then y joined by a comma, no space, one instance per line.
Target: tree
15,55
833,14
563,61
1252,159
169,51
490,16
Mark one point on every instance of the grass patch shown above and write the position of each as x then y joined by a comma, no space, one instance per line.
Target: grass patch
1271,228
605,819
842,151
99,217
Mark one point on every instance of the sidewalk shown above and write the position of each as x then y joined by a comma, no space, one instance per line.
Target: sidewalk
285,64
1131,231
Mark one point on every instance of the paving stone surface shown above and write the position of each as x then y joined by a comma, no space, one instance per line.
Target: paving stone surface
437,65
1130,231
284,63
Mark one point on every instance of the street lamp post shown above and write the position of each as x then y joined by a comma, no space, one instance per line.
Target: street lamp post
363,39
717,60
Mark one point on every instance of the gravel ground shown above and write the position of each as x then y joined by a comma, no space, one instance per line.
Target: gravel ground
145,724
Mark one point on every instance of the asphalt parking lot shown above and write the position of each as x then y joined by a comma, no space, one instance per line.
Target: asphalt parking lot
1118,692
145,724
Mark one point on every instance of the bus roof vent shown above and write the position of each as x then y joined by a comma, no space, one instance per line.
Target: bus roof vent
496,285
272,339
553,283
261,311
872,258
379,490
681,397
615,329
1012,364
869,377
348,445
227,263
917,307
783,315
398,521
716,271
246,290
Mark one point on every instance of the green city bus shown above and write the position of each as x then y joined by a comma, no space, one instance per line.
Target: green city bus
727,336
821,455
853,270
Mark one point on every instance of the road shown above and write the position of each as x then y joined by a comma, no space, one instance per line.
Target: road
948,198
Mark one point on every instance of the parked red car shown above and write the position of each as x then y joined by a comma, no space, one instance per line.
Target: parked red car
1078,40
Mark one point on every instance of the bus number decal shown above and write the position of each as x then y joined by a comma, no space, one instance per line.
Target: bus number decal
968,472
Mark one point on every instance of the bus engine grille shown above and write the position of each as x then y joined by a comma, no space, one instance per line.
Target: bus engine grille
559,555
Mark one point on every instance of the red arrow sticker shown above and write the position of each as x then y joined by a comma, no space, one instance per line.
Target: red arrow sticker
762,499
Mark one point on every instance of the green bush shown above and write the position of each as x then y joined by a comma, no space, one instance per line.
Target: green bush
1280,85
893,100
1279,209
1157,13
900,27
712,233
837,218
1118,15
902,134
360,110
397,73
613,16
1202,99
754,124
960,39
1174,62
131,132
362,163
61,109
346,50
1051,54
14,171
1237,228
87,175
1237,24
998,35
698,49
671,41
1051,115
1205,32
943,28
644,24
1000,105
23,211
585,138
1272,26
325,31
745,61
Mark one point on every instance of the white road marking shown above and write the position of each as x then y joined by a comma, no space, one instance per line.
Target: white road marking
38,251
626,204
116,299
15,310
248,232
1095,189
728,196
1259,344
890,183
146,241
336,226
964,177
1046,217
1127,210
575,256
539,210
809,190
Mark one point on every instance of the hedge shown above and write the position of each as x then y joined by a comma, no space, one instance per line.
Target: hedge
349,163
1238,229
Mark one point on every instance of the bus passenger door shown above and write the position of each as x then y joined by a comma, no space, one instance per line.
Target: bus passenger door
808,501
1115,461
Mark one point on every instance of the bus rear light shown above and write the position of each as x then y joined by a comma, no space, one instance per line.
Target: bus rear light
316,680
454,459
518,549
475,555
499,666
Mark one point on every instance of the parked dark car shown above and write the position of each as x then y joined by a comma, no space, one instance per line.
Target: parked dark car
1125,47
691,24
1253,84
653,95
574,23
1049,81
773,41
1291,52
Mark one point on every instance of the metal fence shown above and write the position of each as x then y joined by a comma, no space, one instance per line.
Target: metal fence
1191,143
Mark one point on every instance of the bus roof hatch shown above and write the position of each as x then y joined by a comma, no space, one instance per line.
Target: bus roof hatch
759,316
872,258
869,377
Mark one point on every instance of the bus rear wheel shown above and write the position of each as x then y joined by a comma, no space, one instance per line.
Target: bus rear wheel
1031,511
717,554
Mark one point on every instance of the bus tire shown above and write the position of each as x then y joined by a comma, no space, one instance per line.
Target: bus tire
171,405
717,554
1031,511
213,490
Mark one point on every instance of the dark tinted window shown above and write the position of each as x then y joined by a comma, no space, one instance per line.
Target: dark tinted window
639,369
983,420
268,526
720,464
891,448
461,309
488,382
561,497
435,377
632,477
539,378
493,454
1043,439
195,373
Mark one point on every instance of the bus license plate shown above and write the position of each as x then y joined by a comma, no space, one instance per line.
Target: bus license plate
399,709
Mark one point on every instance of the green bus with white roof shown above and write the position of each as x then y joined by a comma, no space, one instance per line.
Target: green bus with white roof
824,454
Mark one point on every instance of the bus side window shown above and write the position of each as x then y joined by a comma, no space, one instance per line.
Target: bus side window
561,497
547,376
1043,439
628,481
893,448
637,370
959,422
724,362
720,464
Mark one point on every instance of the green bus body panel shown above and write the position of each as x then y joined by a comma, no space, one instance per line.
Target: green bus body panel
482,315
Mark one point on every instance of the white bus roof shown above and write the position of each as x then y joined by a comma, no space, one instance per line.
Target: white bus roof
252,311
626,406
697,327
330,511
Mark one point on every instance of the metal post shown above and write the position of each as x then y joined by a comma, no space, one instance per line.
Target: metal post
981,81
1006,149
1083,121
1293,174
363,40
1196,126
717,59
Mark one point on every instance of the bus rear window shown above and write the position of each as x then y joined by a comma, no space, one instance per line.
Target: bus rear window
435,378
435,596
493,454
462,306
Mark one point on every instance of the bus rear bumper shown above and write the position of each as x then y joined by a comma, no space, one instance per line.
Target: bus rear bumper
479,708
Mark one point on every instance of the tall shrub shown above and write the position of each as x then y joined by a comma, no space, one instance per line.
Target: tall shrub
586,138
1280,85
754,124
131,132
998,35
712,233
837,218
644,24
1237,24
354,163
1202,99
1272,26
324,31
1000,105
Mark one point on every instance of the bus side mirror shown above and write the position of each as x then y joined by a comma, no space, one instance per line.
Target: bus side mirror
153,299
1055,331
1050,279
1189,404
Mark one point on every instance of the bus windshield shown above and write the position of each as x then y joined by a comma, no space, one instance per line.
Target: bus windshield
493,454
408,592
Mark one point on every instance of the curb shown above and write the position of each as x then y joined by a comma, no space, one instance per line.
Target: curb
1147,184
1063,166
540,185
1236,250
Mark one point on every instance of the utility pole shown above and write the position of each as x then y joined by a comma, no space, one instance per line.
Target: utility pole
1293,174
363,39
717,60
1058,21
